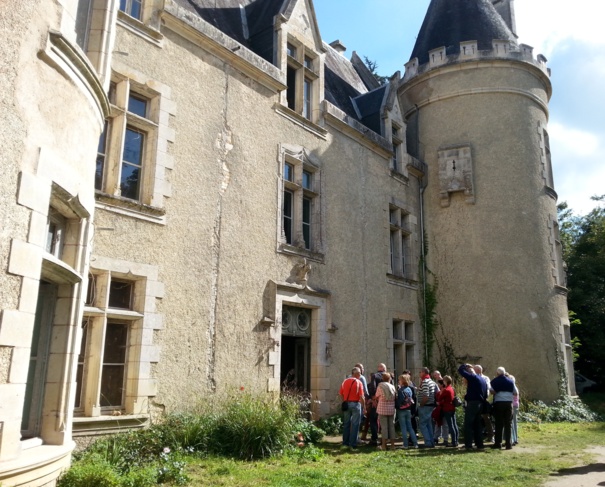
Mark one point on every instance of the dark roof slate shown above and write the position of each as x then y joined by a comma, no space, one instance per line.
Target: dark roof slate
449,22
343,84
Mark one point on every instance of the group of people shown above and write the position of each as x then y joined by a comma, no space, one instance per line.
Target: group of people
429,408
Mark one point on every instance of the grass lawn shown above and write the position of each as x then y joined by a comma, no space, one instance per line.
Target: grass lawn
543,450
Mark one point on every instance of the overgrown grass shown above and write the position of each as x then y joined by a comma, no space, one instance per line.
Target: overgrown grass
545,449
214,446
242,427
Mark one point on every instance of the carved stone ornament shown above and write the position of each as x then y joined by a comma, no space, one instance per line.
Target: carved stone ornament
300,272
456,174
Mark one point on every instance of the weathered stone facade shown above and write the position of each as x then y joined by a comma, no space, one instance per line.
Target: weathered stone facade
255,216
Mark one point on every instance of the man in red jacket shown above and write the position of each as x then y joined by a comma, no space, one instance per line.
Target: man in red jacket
351,392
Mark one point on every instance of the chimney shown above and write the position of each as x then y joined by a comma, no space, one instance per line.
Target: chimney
338,46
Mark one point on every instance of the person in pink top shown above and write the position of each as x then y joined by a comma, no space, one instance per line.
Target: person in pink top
515,426
385,395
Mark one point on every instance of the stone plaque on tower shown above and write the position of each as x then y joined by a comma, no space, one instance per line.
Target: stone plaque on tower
456,174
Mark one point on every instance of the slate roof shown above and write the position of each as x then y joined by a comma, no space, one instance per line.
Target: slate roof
344,87
449,22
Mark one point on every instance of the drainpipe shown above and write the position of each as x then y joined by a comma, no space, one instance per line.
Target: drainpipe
421,189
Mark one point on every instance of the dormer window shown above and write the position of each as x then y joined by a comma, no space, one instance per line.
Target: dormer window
301,80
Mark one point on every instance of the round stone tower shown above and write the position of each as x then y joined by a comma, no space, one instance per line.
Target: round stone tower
476,107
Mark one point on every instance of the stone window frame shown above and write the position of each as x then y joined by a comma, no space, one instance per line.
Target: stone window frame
157,160
404,343
302,62
397,139
559,272
301,163
63,269
400,243
546,162
142,352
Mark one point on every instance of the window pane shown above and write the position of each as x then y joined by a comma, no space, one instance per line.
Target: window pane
91,290
288,172
291,92
392,241
82,22
307,178
307,99
137,105
403,252
291,50
129,182
123,5
120,294
135,9
101,150
133,146
306,221
287,212
308,62
114,360
112,385
99,173
80,370
133,154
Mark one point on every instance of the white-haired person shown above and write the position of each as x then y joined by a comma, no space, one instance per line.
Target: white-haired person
503,389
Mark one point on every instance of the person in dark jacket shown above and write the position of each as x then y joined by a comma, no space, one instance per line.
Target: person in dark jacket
503,388
476,395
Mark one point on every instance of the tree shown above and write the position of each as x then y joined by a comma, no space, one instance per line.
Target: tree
373,67
585,256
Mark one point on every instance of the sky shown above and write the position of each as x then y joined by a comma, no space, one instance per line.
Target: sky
568,34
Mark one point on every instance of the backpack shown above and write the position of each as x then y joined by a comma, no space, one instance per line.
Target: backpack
375,379
404,401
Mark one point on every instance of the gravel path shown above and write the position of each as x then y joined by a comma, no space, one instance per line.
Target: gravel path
592,475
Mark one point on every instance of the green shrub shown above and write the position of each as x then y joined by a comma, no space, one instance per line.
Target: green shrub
566,409
332,425
90,472
252,427
243,426
311,433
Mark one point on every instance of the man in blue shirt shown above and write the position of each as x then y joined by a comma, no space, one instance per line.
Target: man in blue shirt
476,395
503,389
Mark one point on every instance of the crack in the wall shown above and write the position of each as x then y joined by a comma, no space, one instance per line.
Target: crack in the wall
224,145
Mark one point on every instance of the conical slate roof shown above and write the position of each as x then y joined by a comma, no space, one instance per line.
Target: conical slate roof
450,22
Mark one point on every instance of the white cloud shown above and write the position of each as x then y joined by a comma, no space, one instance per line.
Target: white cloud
546,24
573,141
577,165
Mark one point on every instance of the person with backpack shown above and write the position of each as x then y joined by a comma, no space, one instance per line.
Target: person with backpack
403,407
414,409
